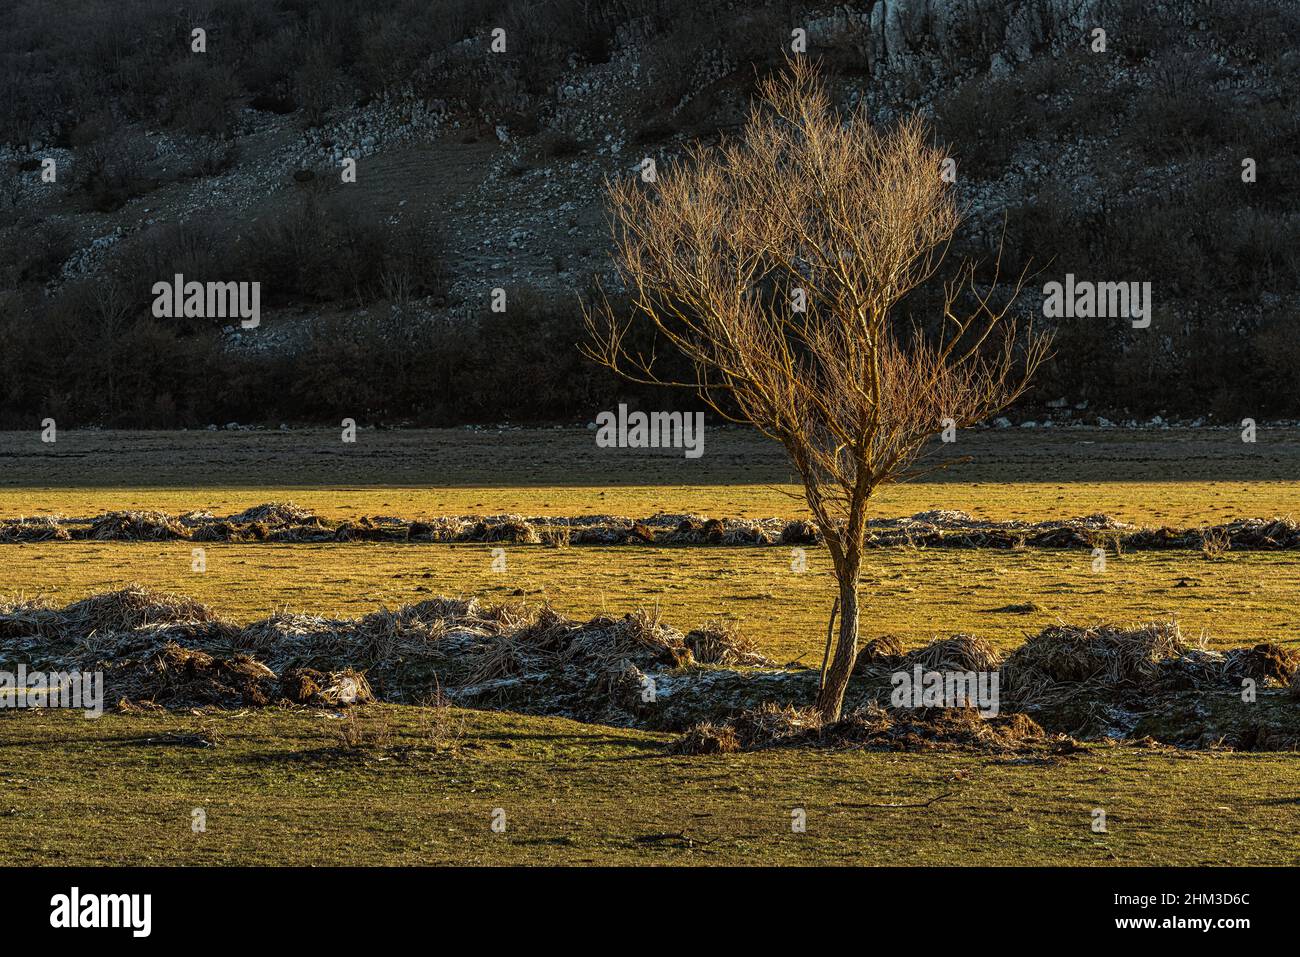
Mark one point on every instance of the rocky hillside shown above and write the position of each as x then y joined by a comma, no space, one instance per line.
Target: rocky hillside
1115,157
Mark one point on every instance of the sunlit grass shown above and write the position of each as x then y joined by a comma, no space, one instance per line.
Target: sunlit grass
911,593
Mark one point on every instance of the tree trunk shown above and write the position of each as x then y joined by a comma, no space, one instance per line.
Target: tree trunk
831,698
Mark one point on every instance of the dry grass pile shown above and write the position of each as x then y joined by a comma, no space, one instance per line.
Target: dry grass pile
957,653
872,727
437,530
948,529
741,531
512,529
528,656
134,607
1214,542
941,528
694,530
155,647
611,533
136,636
220,530
640,638
331,689
1266,663
286,522
775,725
706,738
1262,533
700,530
1106,660
880,655
364,529
274,513
801,533
723,643
289,640
556,536
638,671
312,529
48,528
1266,534
84,624
928,729
136,527
176,676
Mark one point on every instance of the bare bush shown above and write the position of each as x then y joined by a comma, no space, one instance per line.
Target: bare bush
850,218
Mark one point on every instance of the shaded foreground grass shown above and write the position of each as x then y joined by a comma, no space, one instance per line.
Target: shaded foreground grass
279,787
910,593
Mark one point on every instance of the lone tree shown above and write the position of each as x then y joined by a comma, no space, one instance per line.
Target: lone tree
775,264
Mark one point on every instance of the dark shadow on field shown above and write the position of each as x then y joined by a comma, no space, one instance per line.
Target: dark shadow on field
404,746
160,739
530,737
490,458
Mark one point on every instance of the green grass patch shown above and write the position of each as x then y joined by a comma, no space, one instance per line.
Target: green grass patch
281,787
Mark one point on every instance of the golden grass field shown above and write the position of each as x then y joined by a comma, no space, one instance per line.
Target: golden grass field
914,594
1143,503
279,787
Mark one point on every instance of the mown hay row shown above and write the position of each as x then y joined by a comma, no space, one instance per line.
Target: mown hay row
284,522
153,646
280,522
1098,681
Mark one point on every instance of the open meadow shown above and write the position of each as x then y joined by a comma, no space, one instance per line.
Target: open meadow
414,782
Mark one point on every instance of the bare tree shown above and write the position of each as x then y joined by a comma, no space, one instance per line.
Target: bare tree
775,264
